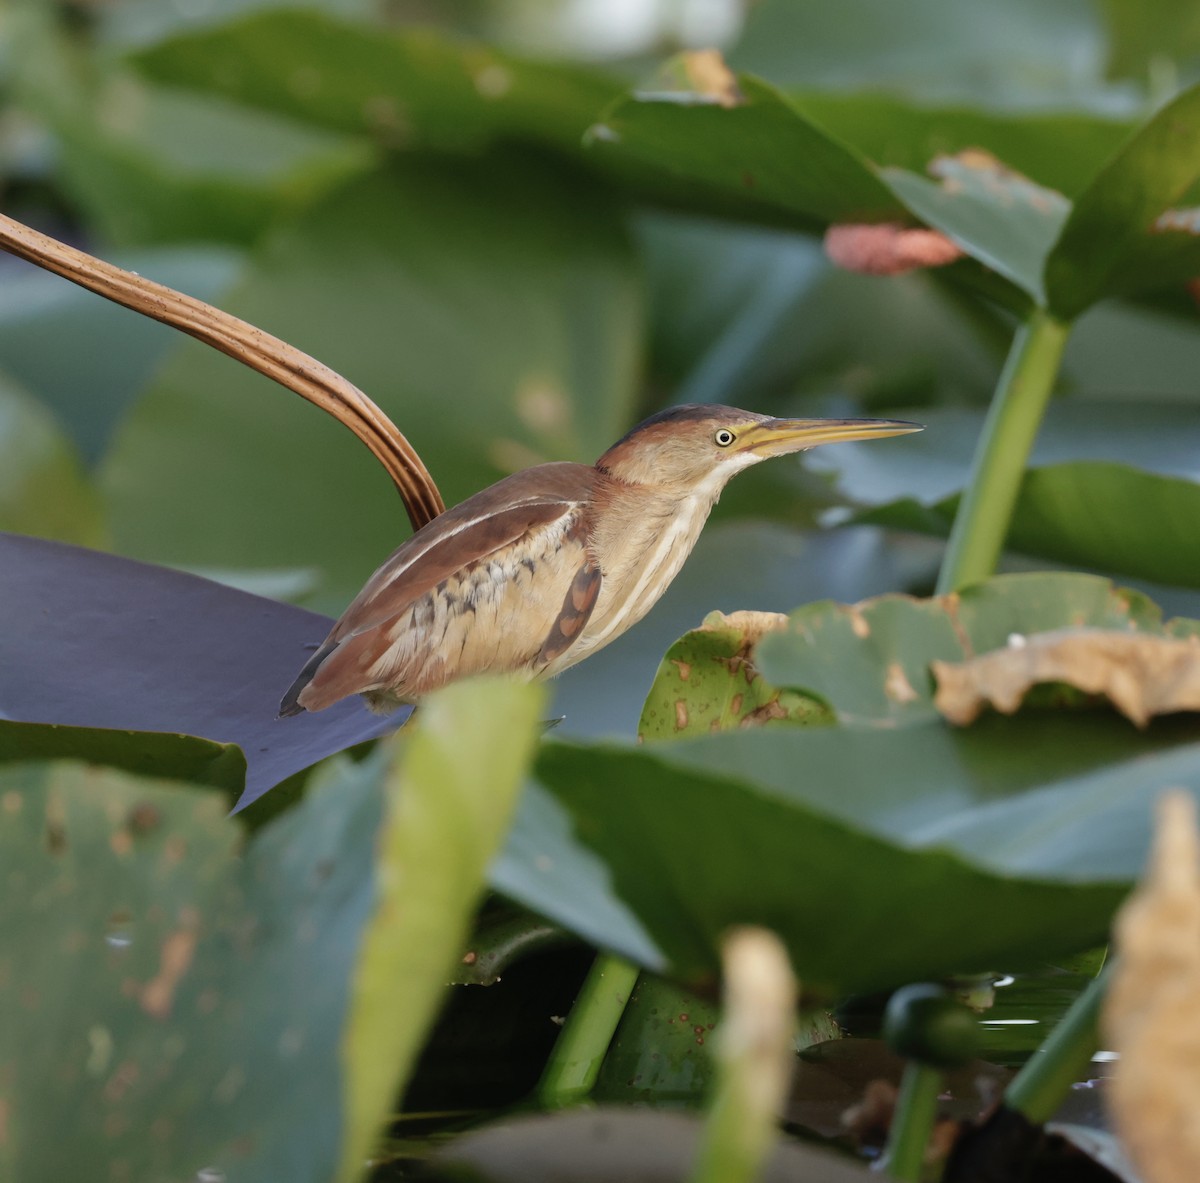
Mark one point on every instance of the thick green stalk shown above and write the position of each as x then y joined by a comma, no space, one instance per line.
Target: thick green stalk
916,1109
983,517
574,1064
1038,1089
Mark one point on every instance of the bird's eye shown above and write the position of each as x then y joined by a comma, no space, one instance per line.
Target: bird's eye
724,437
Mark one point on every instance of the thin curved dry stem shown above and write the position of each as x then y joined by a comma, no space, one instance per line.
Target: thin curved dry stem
260,351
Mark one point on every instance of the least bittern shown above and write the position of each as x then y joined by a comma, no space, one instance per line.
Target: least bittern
545,567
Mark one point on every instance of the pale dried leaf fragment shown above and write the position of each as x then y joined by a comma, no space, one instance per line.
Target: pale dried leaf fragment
887,248
709,76
978,171
1141,675
752,625
1151,1016
754,1057
897,686
1180,221
760,1014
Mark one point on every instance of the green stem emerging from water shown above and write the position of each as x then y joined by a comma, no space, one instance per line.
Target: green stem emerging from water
916,1109
986,510
1039,1088
574,1064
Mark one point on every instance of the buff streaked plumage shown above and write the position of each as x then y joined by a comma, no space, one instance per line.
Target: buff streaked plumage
547,566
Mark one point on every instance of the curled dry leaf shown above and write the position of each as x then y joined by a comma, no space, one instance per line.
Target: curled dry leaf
1152,1013
887,248
752,625
1141,675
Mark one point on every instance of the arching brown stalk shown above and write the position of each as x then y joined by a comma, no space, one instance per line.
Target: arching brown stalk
278,360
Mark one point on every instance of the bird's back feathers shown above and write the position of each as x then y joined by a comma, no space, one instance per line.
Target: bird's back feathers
416,623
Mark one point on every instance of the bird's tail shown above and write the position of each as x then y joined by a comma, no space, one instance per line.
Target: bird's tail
291,700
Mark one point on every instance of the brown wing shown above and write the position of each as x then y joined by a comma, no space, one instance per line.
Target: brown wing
578,603
430,612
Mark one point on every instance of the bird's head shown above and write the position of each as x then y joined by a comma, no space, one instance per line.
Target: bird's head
699,447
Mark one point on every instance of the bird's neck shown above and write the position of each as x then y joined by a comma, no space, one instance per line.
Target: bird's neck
636,516
641,538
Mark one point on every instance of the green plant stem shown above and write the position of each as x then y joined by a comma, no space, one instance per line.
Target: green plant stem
916,1108
1039,1088
736,1138
574,1064
987,505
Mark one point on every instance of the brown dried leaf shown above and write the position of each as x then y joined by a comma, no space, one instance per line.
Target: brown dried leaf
1141,675
1152,1012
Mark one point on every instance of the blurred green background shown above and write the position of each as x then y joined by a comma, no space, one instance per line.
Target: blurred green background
408,191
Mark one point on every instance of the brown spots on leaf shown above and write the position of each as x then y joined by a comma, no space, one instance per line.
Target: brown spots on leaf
859,624
121,842
735,704
470,957
767,713
121,1081
896,684
684,668
681,714
739,662
888,248
178,949
56,825
144,818
175,849
951,604
11,802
